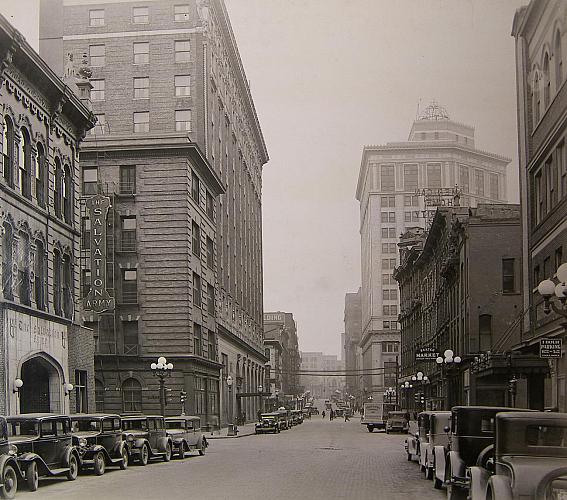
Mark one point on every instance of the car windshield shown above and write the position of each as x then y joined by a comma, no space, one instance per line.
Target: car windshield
175,424
269,418
84,425
135,425
25,428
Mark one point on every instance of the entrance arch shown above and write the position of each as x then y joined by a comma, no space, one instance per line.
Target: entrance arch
41,392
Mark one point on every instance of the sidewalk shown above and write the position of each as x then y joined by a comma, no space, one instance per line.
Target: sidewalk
243,430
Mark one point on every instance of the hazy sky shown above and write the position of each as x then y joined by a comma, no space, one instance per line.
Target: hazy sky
330,76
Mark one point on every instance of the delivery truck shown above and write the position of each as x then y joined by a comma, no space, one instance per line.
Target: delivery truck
375,415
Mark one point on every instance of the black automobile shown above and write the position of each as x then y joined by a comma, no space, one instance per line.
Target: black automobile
185,433
100,441
147,437
44,446
9,468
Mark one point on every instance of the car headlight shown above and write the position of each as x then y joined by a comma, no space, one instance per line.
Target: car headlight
130,438
82,442
13,449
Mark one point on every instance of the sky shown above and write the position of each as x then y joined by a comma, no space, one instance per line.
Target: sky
327,78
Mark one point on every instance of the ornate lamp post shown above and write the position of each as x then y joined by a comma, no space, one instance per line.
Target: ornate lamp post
555,292
390,392
420,379
406,386
162,369
447,361
229,385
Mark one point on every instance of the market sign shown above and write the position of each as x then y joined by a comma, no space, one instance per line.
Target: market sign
550,348
426,354
98,300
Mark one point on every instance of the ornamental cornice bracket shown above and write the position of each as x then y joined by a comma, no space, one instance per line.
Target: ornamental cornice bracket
7,55
57,109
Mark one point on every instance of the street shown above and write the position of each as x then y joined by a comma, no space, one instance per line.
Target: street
317,460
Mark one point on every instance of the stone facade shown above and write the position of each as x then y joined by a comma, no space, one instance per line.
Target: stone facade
541,47
351,345
43,344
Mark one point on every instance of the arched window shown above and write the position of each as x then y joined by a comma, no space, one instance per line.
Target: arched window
67,195
40,175
558,61
25,159
99,396
58,194
40,275
536,98
24,269
57,282
67,287
131,395
8,151
7,261
546,82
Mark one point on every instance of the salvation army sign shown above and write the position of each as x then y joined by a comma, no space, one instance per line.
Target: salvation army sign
98,300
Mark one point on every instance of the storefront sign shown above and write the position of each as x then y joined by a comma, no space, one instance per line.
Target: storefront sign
269,317
550,348
98,299
426,354
27,334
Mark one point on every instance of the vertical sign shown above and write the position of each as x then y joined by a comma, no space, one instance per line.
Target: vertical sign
98,299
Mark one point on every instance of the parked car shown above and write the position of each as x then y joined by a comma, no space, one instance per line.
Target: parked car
423,424
397,422
528,459
9,468
186,435
298,415
314,410
411,442
471,435
44,446
285,420
269,422
100,441
437,436
147,438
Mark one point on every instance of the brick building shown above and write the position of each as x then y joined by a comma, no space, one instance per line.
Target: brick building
460,286
179,148
541,45
43,343
399,186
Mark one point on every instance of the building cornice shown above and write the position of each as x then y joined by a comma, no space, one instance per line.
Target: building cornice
231,337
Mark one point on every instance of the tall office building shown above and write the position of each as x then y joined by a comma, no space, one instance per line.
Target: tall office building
351,342
179,150
399,185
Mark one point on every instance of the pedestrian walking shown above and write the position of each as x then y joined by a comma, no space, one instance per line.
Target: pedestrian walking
323,413
331,415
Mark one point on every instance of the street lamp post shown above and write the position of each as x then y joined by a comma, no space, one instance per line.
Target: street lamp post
420,379
445,362
390,392
162,369
229,385
406,386
261,390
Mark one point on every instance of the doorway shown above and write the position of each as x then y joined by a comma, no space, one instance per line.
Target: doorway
41,392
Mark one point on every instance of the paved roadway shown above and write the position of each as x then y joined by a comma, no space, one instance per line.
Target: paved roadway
318,460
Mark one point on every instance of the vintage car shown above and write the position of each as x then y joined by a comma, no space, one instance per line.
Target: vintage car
100,441
436,436
147,437
186,435
269,422
528,459
423,422
44,446
285,419
471,434
298,415
9,468
397,422
313,410
411,441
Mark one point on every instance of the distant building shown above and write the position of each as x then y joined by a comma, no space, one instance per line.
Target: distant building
540,30
46,356
399,186
179,148
325,375
351,343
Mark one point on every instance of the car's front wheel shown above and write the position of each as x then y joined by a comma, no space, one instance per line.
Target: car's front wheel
9,482
167,456
99,464
182,450
73,468
125,458
144,455
370,428
32,477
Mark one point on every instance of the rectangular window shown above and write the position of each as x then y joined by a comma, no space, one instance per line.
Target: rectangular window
196,239
485,331
562,169
387,279
130,336
410,177
141,52
96,17
539,198
494,188
210,253
81,394
182,85
464,178
552,179
433,175
388,201
142,88
210,205
197,339
129,286
211,299
90,181
181,12
183,120
508,276
386,325
558,257
197,293
195,187
140,15
127,179
387,178
100,127
142,121
97,92
479,182
182,51
97,55
407,216
128,236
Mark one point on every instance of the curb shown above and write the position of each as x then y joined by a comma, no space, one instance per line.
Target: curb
230,437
